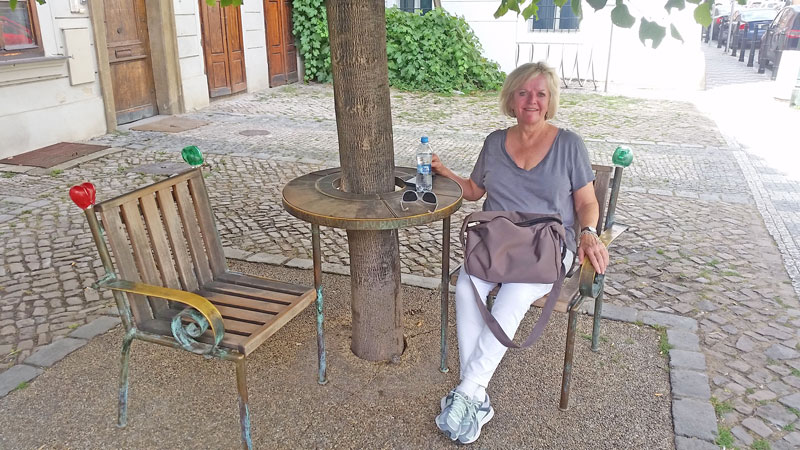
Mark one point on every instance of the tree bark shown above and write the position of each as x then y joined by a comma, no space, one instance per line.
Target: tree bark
357,30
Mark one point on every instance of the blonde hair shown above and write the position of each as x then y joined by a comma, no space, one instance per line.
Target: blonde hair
522,75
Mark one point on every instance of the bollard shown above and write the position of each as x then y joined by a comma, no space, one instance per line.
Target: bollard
730,38
742,40
752,50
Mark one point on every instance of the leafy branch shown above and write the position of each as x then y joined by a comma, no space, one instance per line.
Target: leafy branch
620,15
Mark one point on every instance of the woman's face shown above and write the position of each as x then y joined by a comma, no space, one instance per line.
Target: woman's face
530,101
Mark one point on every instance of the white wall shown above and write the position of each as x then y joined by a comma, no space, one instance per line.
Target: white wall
672,64
190,55
255,45
42,104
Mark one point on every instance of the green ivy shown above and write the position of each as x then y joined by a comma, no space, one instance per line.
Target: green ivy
436,52
310,27
432,52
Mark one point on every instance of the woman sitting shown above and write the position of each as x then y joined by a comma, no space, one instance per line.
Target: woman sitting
532,166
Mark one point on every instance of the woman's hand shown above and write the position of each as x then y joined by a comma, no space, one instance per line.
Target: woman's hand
437,166
591,247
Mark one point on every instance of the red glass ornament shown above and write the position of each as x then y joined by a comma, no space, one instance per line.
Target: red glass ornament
82,195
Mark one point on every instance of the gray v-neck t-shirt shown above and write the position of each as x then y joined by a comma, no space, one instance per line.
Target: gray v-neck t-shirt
546,188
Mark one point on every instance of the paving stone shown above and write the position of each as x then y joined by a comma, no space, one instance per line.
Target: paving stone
776,414
300,263
757,426
780,352
619,313
742,434
266,258
684,443
96,327
235,253
669,321
52,353
792,401
694,419
13,377
682,359
745,344
762,395
793,438
683,340
688,383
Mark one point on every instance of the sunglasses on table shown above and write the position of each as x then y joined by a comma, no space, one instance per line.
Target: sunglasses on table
427,198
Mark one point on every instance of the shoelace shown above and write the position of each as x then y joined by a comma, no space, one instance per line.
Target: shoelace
471,413
459,408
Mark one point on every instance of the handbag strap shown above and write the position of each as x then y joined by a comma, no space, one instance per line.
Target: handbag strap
538,328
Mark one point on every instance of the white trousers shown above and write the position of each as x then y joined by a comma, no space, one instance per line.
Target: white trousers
479,351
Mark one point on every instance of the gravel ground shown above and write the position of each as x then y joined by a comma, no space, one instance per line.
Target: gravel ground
620,396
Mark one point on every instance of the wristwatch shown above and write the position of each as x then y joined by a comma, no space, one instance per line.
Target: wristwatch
586,230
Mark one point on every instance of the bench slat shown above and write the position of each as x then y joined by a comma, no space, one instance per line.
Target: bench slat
115,230
180,251
250,292
261,283
216,257
245,303
160,245
196,248
142,253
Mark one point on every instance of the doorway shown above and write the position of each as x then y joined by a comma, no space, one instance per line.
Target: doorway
223,49
129,60
281,51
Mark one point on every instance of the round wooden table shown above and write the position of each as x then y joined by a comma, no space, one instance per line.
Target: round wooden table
317,198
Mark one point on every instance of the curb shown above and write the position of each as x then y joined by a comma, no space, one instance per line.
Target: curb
17,376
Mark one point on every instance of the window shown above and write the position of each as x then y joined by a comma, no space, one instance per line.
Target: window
19,30
553,18
416,5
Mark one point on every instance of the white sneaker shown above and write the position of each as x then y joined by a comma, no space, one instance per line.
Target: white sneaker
479,414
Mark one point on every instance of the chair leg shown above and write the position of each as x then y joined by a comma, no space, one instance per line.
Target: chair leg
598,311
122,407
568,353
317,258
244,411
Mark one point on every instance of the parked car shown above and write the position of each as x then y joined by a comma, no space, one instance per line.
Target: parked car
782,34
750,25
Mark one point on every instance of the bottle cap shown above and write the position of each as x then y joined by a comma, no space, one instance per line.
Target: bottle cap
424,139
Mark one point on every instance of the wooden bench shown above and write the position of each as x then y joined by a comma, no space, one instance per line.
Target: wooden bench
581,282
172,285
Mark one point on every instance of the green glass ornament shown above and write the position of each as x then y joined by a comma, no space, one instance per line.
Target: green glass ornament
192,155
623,156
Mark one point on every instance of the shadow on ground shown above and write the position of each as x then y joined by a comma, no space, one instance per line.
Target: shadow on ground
620,396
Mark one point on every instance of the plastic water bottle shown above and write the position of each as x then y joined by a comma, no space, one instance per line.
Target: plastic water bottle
424,174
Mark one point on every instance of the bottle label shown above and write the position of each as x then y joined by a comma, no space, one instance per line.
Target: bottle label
424,168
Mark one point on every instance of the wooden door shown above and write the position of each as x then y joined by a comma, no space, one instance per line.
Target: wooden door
281,51
129,60
223,49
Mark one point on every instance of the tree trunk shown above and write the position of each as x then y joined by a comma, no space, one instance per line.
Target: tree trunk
437,4
357,31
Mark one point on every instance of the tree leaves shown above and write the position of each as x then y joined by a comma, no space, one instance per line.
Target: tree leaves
531,10
702,14
621,17
576,8
501,10
597,4
652,31
674,33
677,4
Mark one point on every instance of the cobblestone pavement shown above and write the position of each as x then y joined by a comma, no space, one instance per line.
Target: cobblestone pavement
699,245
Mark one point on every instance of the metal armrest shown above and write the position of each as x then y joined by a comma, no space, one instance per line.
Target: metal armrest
590,281
210,313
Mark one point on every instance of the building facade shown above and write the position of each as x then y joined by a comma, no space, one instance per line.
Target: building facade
74,69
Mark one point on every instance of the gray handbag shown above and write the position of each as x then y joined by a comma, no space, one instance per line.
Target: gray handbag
515,247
